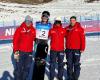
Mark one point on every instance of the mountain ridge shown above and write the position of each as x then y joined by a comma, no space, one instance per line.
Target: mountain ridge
26,1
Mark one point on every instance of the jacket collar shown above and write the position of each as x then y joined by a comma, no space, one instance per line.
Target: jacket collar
77,24
25,26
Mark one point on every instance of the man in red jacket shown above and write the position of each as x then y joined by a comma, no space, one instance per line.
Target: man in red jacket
57,35
23,48
75,45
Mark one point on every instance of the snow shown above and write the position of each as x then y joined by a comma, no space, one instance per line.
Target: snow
90,60
14,11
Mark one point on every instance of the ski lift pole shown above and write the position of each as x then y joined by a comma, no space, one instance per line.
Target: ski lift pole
14,22
98,25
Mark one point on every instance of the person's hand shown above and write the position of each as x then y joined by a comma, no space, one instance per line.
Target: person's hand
16,55
81,51
43,61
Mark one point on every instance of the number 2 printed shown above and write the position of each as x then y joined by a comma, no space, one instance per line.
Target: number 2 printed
43,33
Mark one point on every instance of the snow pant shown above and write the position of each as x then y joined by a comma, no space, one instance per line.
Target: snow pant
53,56
23,66
38,70
73,64
40,63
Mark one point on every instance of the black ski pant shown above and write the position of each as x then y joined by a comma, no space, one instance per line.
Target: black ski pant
73,64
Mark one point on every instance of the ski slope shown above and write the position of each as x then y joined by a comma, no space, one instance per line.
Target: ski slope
14,11
90,60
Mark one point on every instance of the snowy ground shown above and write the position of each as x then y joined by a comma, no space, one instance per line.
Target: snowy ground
90,58
90,61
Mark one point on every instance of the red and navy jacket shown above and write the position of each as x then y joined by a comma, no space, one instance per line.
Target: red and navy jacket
57,35
23,38
75,37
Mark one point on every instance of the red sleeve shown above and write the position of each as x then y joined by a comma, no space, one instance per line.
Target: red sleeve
34,33
16,39
82,40
66,33
49,33
34,30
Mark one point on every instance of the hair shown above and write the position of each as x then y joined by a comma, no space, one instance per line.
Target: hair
46,13
73,17
57,22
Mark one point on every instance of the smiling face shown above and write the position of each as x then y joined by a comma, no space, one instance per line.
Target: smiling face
72,21
44,19
28,23
28,20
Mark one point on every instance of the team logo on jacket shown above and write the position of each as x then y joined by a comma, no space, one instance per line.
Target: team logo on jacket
25,31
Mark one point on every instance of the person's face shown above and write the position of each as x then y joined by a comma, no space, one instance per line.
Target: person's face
44,19
58,25
28,23
72,21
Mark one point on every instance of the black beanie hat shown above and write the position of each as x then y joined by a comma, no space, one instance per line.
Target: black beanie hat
45,13
57,22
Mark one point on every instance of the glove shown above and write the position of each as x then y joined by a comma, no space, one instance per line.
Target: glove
43,61
16,56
